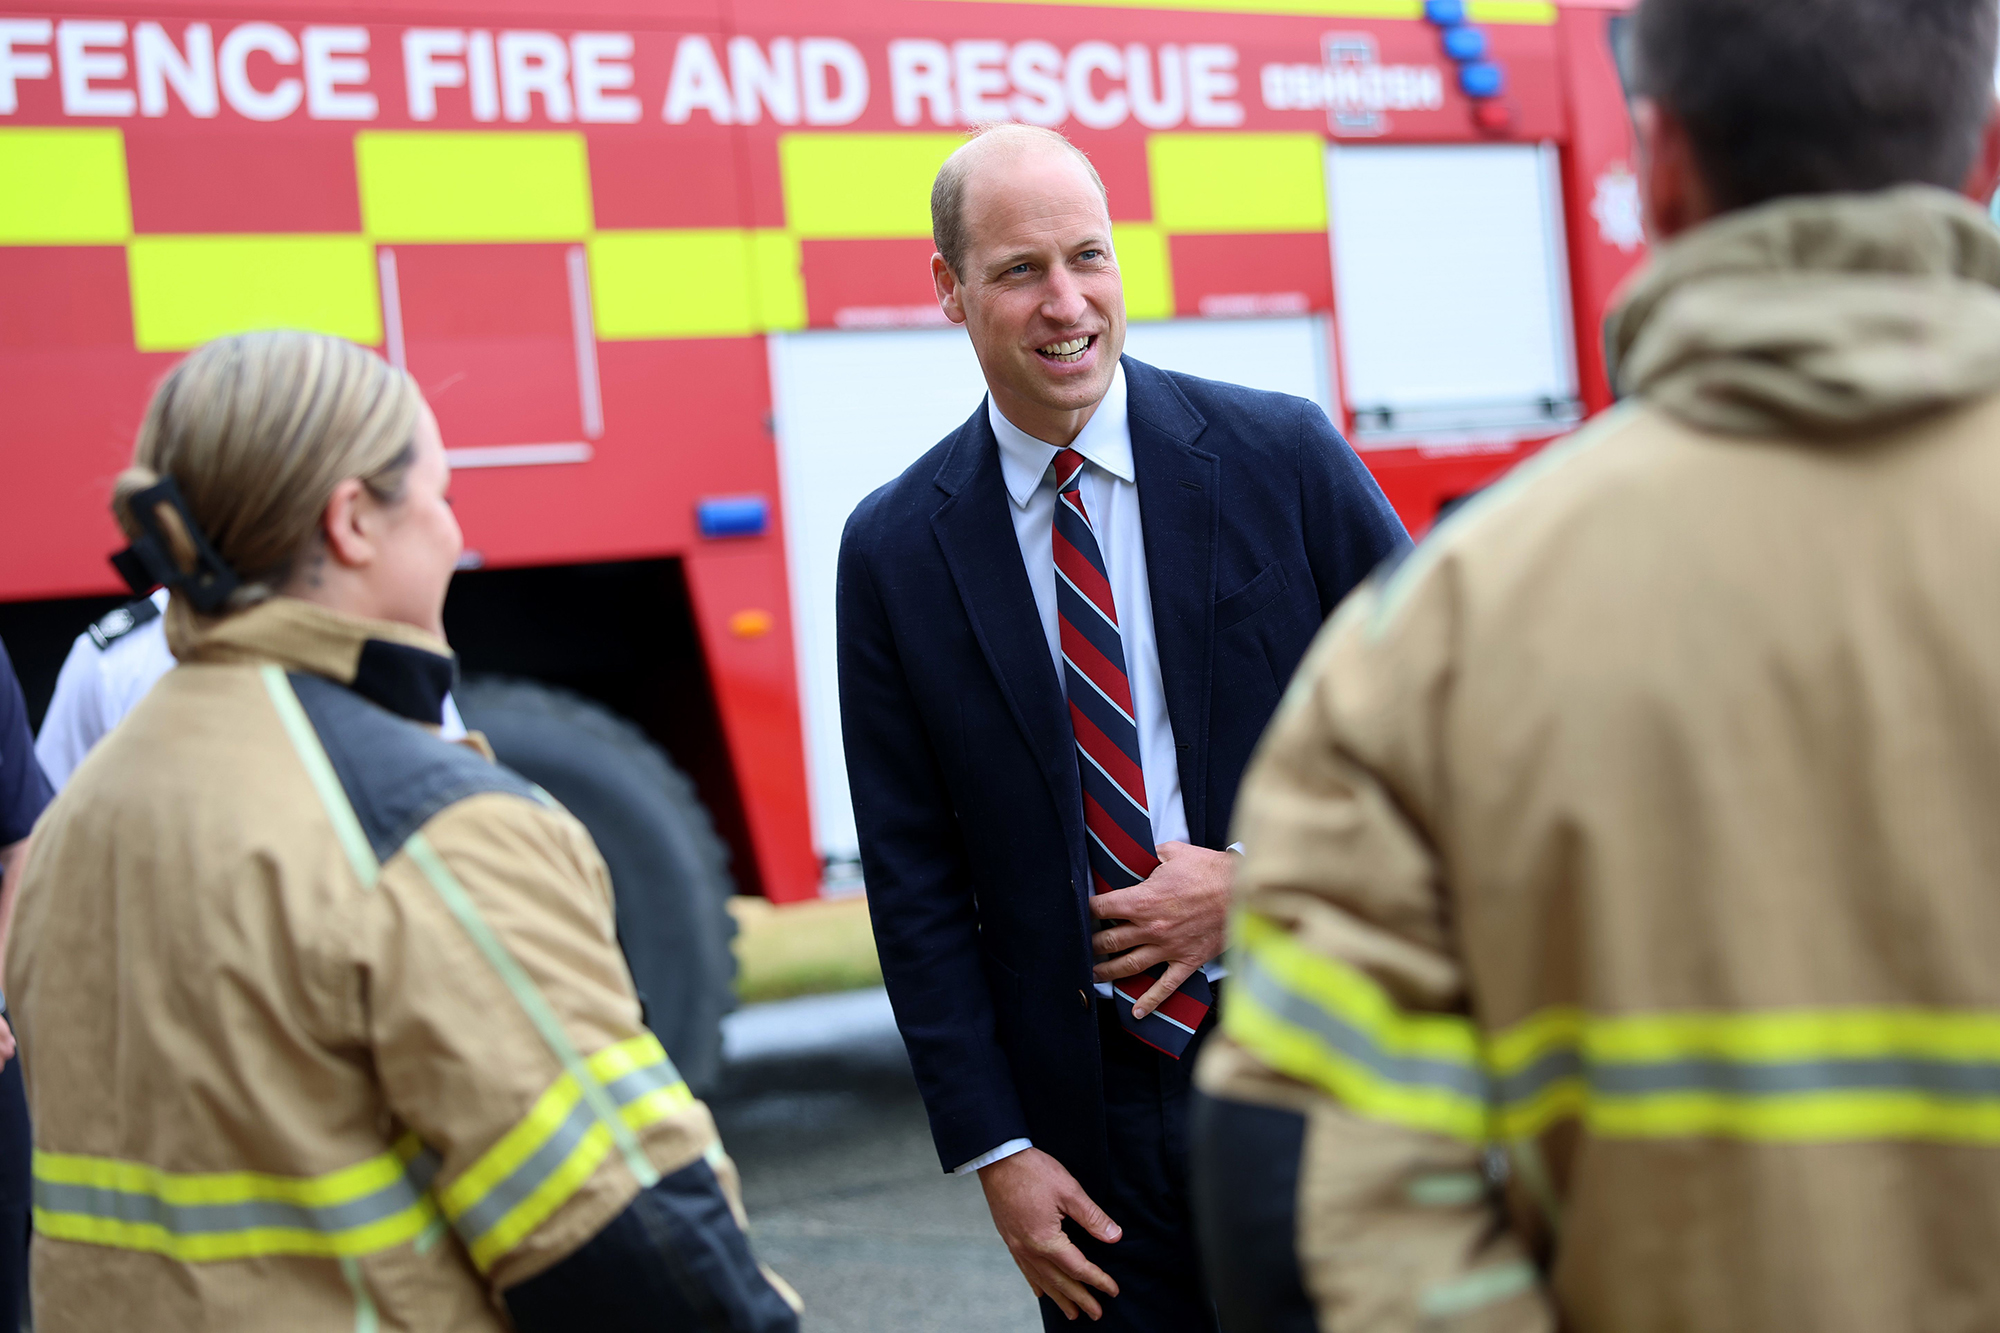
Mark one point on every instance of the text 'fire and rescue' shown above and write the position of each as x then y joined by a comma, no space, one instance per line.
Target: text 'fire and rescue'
270,72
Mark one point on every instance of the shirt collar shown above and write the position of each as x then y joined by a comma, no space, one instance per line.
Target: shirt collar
1106,440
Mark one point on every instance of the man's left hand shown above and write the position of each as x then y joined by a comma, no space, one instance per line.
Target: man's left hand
1178,916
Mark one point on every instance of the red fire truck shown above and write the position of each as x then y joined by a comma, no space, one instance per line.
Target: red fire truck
661,267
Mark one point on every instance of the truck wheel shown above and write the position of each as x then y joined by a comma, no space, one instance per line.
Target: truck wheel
669,870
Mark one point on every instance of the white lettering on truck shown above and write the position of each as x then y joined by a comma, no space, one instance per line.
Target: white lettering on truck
1102,86
160,63
820,80
86,51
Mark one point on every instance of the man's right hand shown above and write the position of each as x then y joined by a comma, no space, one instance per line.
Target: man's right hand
1029,1194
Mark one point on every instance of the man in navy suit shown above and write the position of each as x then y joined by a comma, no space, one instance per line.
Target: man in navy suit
1062,631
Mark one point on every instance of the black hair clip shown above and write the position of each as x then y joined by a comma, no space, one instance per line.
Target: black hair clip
148,563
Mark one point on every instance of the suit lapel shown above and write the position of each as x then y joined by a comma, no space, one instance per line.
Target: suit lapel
976,534
1180,509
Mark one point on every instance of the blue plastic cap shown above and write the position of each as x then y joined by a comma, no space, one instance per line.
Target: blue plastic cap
1482,79
1445,13
1464,43
734,516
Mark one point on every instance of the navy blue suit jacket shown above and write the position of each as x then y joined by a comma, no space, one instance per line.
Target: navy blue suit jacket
1258,519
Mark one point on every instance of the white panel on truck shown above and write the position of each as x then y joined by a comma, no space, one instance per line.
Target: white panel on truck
1451,284
854,408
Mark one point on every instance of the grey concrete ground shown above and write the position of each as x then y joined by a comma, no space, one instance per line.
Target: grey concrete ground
846,1200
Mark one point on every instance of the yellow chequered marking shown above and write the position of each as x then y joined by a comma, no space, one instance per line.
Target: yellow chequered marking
1145,268
442,186
672,284
1235,183
778,281
189,289
63,187
858,186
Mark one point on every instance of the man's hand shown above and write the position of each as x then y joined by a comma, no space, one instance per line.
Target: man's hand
1179,916
1029,1194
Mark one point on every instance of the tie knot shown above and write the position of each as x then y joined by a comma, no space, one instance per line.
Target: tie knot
1068,462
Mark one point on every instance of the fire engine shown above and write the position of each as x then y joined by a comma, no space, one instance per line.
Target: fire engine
662,271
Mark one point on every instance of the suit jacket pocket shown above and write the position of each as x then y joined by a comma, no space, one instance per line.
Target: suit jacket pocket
1252,597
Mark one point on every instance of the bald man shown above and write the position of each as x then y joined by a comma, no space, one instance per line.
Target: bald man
1061,632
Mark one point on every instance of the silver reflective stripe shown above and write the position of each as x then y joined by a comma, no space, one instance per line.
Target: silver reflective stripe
1356,1045
1774,1078
196,1219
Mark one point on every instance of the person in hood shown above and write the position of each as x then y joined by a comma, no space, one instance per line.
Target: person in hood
1615,947
323,1018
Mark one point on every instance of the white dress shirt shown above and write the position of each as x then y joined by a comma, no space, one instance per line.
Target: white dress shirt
1110,495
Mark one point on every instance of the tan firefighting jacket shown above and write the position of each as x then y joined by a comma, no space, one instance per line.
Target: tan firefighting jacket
324,1023
1644,825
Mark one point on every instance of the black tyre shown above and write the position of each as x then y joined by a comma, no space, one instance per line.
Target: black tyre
669,870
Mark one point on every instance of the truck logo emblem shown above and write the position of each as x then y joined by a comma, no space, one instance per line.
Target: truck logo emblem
1620,219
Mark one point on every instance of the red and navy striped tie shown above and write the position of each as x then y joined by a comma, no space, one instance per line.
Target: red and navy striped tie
1107,748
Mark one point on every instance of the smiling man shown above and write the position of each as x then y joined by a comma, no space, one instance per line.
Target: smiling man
1061,632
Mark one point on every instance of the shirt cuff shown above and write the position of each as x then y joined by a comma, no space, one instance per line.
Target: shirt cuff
1007,1149
1236,847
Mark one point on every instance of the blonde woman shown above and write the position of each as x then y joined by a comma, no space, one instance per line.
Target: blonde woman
329,1026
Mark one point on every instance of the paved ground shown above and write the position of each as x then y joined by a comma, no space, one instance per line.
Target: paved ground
844,1192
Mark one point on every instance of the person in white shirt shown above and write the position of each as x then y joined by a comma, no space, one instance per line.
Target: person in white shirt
1061,633
109,669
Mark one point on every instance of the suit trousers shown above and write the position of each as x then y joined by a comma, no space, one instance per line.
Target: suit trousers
1156,1262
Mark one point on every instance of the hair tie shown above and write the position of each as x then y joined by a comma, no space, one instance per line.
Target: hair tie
148,563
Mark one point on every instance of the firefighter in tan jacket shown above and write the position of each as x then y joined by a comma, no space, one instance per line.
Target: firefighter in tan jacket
324,1019
1619,942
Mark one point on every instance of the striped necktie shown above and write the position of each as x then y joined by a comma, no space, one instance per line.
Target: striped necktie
1107,747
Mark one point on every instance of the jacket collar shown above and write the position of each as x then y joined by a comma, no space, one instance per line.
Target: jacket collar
1823,317
397,666
1180,512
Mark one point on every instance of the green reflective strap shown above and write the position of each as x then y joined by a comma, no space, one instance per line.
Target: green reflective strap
324,780
366,1318
1483,1287
461,906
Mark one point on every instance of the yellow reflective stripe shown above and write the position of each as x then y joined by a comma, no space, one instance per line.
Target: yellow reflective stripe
215,1247
203,1217
1323,1022
1823,1117
110,1173
1804,1034
540,1164
556,1189
533,1130
1800,1075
